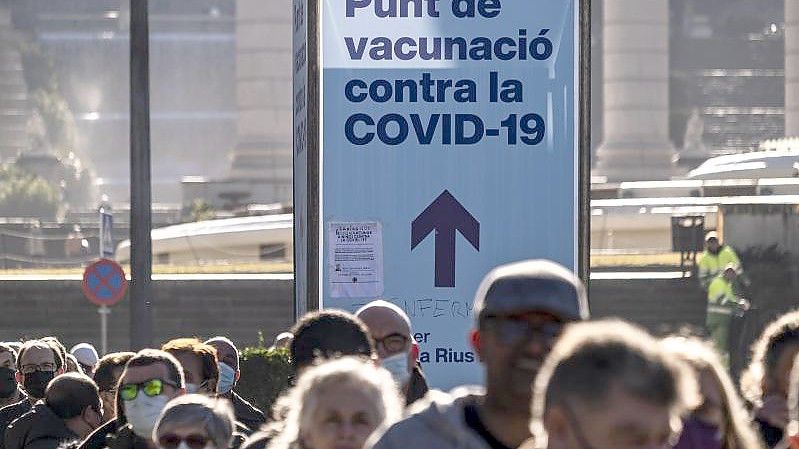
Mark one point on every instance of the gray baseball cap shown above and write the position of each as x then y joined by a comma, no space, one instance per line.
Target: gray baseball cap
532,286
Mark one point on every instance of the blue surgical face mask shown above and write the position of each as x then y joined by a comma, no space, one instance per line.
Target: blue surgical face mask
227,378
397,365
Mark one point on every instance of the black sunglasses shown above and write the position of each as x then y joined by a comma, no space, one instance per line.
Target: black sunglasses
193,441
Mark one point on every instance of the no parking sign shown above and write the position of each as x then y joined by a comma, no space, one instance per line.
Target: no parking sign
104,283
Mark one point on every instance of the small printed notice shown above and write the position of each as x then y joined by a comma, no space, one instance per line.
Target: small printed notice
355,256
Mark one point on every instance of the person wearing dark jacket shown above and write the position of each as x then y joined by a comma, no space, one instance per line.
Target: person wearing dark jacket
106,375
311,344
37,364
71,409
10,392
228,364
390,327
150,380
765,383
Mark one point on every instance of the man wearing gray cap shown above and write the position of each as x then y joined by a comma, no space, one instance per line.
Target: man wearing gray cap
520,311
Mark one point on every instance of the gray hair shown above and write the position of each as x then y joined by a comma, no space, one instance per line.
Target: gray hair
302,400
592,357
214,416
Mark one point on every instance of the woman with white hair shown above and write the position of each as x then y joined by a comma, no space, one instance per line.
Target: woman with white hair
339,405
195,422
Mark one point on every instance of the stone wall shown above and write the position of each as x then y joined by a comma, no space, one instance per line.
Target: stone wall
239,309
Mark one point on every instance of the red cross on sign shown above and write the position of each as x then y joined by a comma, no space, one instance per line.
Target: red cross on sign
104,282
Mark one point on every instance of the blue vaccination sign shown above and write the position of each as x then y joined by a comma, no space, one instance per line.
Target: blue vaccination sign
449,146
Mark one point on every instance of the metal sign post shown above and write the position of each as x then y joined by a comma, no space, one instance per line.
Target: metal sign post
141,314
306,123
104,311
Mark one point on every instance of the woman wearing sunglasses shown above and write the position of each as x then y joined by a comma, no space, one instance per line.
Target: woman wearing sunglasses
195,422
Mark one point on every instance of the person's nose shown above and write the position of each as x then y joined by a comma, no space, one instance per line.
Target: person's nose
536,345
346,431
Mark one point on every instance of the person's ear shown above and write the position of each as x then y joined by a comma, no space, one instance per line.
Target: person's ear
59,371
238,375
19,376
767,385
476,343
556,426
415,351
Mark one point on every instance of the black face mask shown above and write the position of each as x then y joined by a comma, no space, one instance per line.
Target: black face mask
8,384
36,382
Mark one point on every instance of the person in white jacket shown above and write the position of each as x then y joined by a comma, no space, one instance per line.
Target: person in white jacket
520,311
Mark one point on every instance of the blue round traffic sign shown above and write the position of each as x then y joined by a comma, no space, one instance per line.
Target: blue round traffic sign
104,282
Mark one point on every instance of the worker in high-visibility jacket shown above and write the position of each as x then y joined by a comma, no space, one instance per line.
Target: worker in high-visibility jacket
715,258
722,303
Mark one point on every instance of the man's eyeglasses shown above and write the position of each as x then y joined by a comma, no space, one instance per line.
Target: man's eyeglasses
193,441
30,369
513,330
151,388
393,342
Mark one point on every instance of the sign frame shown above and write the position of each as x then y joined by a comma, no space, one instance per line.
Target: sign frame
307,263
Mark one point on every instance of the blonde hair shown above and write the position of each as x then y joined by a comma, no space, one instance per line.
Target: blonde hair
703,358
793,400
766,351
592,357
301,401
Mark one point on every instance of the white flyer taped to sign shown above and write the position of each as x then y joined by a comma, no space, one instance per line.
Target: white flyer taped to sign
355,253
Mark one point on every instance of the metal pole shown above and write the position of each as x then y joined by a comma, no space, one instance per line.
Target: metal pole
104,311
584,239
102,233
314,95
141,316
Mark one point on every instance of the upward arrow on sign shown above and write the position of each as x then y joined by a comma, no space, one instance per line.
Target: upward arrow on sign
445,215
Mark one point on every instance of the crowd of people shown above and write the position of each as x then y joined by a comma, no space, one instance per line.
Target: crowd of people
553,378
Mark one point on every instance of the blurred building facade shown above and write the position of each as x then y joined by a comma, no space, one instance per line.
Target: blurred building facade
722,58
14,109
260,170
192,61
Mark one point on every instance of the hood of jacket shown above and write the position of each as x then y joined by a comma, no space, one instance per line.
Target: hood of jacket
437,420
38,424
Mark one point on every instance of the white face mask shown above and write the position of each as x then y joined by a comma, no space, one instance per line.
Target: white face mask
397,365
208,445
143,411
183,445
